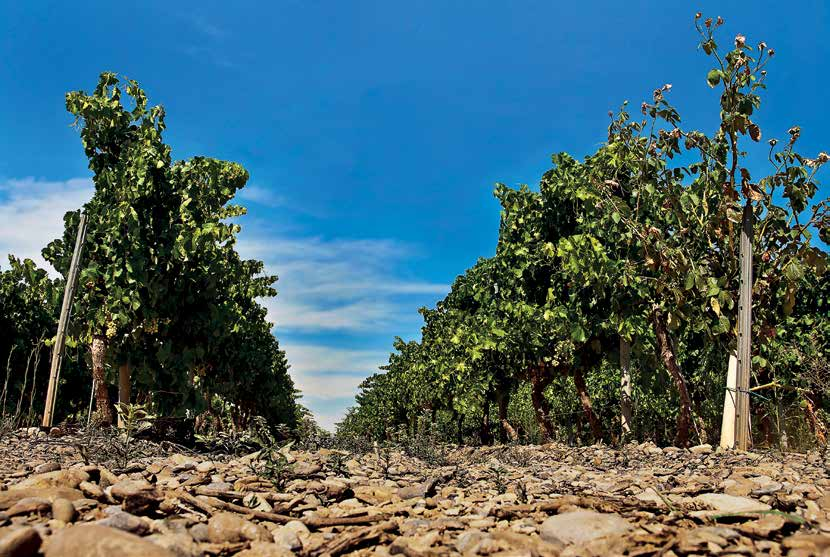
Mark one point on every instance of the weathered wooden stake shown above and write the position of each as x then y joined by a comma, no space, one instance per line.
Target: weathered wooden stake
91,398
123,389
742,434
727,428
60,338
625,388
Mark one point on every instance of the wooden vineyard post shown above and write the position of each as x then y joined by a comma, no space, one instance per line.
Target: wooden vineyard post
91,398
60,338
742,434
123,390
727,429
625,388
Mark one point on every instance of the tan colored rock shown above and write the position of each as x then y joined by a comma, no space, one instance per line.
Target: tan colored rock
468,542
57,479
30,505
179,459
19,542
91,490
47,467
303,469
12,496
707,538
229,527
205,467
287,538
63,510
106,478
199,532
92,540
336,489
374,495
298,527
136,496
764,527
582,526
180,544
724,503
420,490
124,521
808,545
265,549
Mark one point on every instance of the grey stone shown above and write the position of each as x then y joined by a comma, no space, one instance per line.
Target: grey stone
731,503
124,521
287,538
582,526
181,545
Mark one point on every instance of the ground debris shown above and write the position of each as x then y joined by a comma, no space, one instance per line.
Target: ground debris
548,500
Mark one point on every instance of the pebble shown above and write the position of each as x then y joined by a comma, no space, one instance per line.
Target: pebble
136,496
228,527
63,510
47,467
124,521
265,549
181,544
287,538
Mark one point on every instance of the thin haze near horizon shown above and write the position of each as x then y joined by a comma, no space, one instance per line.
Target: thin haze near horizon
373,131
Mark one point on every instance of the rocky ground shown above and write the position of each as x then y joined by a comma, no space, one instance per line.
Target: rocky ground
523,501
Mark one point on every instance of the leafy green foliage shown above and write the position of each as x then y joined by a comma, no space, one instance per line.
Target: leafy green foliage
162,290
638,242
136,419
30,303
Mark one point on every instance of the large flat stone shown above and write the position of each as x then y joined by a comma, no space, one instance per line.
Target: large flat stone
92,540
582,526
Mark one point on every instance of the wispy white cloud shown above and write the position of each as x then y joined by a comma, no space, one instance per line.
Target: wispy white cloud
31,213
310,358
207,43
339,284
208,28
262,196
212,55
318,316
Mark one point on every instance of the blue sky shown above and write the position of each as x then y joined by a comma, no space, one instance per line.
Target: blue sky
373,131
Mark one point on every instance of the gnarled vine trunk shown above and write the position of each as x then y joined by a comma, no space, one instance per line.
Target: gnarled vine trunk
587,406
459,426
815,424
666,352
507,430
540,378
485,433
98,351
